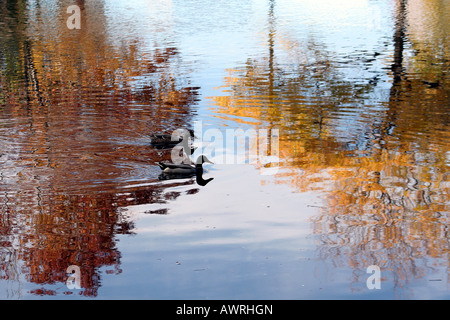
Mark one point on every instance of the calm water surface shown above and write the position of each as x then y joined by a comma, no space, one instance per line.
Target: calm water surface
358,91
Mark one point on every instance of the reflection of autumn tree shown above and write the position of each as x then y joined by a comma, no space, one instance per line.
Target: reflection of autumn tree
403,202
428,30
63,230
390,211
387,198
76,112
309,91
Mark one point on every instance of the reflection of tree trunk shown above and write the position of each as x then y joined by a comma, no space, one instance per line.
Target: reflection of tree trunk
397,66
399,36
31,74
271,43
271,69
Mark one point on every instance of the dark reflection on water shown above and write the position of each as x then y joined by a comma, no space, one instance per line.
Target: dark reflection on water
76,114
362,107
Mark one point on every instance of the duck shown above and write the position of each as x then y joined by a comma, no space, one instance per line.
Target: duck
185,170
164,140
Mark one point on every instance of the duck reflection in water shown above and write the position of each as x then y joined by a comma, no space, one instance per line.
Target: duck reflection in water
185,170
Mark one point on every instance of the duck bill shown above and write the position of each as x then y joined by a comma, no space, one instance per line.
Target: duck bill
203,159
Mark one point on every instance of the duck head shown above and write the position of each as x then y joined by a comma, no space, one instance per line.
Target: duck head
202,159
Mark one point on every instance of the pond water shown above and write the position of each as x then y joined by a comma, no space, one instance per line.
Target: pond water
346,106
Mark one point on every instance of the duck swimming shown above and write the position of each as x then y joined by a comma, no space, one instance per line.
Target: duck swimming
167,141
185,170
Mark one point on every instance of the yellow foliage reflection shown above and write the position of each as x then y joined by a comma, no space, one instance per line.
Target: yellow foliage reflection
382,166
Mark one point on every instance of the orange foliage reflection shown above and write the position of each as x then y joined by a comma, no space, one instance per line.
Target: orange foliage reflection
78,107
